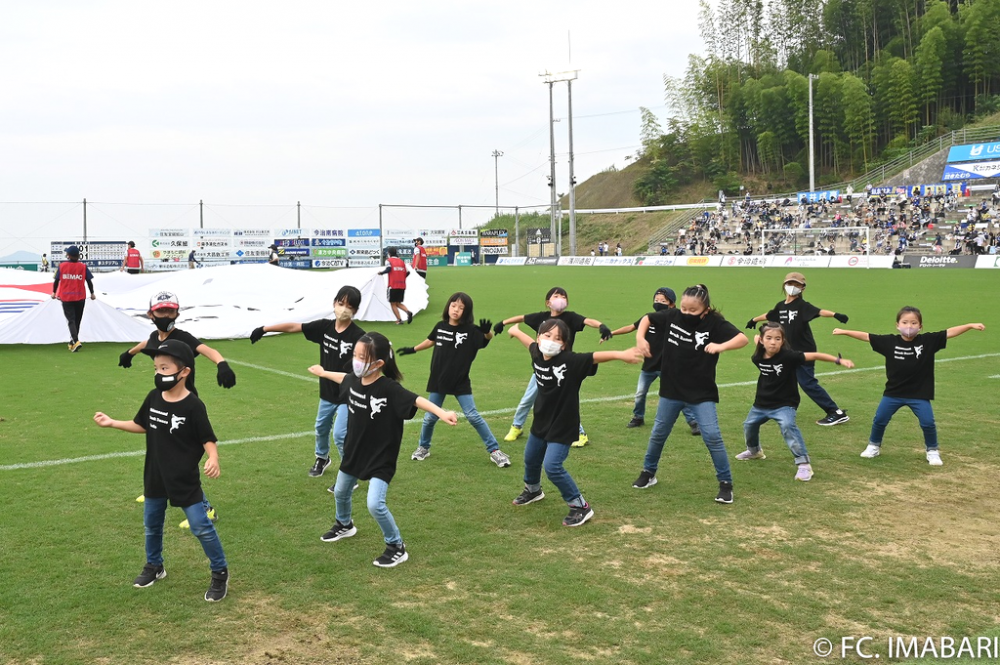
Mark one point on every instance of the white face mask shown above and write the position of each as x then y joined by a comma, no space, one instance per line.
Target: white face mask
550,347
792,290
362,369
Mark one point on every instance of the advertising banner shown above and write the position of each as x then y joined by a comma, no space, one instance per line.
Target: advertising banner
170,243
169,233
493,237
463,237
614,260
940,261
494,251
744,261
289,233
297,264
576,260
437,251
252,233
860,261
291,242
437,261
355,234
364,252
511,261
337,252
656,260
463,258
329,263
250,242
988,262
327,233
212,255
798,261
698,261
813,197
212,233
362,262
293,251
434,237
169,254
971,170
541,261
973,152
244,254
328,242
213,243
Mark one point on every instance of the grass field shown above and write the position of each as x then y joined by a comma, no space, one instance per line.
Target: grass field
882,548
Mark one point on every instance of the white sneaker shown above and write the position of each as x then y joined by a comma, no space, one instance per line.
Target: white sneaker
934,458
872,451
749,454
500,459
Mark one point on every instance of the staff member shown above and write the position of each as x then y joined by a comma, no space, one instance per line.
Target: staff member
420,257
133,260
397,272
274,258
68,288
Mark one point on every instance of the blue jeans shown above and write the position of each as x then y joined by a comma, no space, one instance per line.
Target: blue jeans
468,405
377,489
155,511
642,390
539,453
528,401
806,374
704,412
324,421
921,408
785,417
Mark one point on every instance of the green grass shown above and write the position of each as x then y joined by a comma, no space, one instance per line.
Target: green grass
879,547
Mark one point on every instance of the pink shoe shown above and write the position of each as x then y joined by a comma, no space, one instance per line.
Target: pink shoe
805,473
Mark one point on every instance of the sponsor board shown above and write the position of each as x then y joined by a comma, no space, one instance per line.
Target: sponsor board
437,261
30,267
657,260
213,242
328,242
941,261
542,261
493,233
494,251
463,259
463,241
798,261
212,255
362,262
212,233
329,263
973,152
436,251
614,260
297,264
699,261
492,242
327,233
339,252
744,261
245,242
169,254
169,233
463,233
576,260
988,262
364,233
293,251
251,254
249,261
170,243
164,266
511,261
435,241
251,233
291,242
287,233
972,170
360,252
813,197
860,262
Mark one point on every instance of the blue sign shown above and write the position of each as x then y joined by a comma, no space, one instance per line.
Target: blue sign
292,242
813,197
297,264
293,251
973,152
363,233
971,171
329,242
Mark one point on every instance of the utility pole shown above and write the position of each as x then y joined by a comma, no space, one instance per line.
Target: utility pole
812,159
497,154
85,221
572,178
551,79
552,166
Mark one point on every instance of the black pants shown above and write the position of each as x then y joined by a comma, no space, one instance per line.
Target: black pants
74,317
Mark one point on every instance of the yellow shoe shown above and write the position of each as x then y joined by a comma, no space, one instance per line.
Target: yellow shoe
141,498
185,525
513,434
581,442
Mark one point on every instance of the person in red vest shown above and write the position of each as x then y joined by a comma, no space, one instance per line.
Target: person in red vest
68,289
420,258
397,272
133,260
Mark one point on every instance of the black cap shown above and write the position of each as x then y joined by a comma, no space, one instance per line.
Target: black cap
177,349
73,250
667,292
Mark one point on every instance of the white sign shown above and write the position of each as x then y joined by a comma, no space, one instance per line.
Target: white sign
989,262
170,243
744,261
214,242
367,241
360,252
168,233
327,233
364,263
614,260
251,233
494,251
576,260
329,263
798,261
213,233
289,233
250,243
656,261
511,260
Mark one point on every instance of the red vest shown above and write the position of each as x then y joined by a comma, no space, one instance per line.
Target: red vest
397,276
132,258
419,258
72,281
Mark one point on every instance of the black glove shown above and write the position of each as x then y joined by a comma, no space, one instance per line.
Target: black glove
226,377
751,325
605,332
840,317
407,350
256,335
125,360
485,325
498,328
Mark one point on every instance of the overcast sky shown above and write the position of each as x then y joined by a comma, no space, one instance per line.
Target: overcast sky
333,104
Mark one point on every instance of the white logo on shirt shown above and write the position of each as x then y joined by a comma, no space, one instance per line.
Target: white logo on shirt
791,316
176,421
560,373
777,370
377,404
918,350
345,347
700,338
459,338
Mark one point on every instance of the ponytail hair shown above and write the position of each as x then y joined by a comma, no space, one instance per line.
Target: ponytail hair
758,353
700,293
378,347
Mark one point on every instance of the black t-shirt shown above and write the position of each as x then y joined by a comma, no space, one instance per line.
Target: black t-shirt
654,335
777,384
176,434
909,366
153,343
336,351
557,406
455,347
688,373
572,319
374,426
794,317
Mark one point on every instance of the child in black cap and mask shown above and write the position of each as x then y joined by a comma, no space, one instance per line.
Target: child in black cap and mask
178,434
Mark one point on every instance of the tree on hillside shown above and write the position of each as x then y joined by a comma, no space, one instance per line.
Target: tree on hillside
930,61
859,121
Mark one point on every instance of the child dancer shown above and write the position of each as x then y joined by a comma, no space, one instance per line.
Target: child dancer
694,337
377,406
909,373
794,314
558,372
663,299
557,300
778,395
456,341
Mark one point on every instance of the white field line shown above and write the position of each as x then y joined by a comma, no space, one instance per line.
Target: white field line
494,412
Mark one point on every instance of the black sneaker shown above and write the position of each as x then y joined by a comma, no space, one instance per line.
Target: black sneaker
578,516
725,492
635,422
219,587
645,480
393,556
834,418
319,466
338,531
527,496
149,574
695,430
409,319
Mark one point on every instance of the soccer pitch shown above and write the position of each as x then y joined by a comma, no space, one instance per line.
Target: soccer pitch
881,548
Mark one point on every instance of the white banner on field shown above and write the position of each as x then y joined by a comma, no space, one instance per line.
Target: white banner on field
614,260
576,260
856,261
698,261
511,260
988,262
744,261
657,261
798,261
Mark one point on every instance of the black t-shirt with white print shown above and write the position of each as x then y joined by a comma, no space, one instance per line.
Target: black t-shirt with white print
455,347
193,342
654,335
688,373
336,351
574,321
909,366
557,406
374,426
794,317
777,385
176,434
